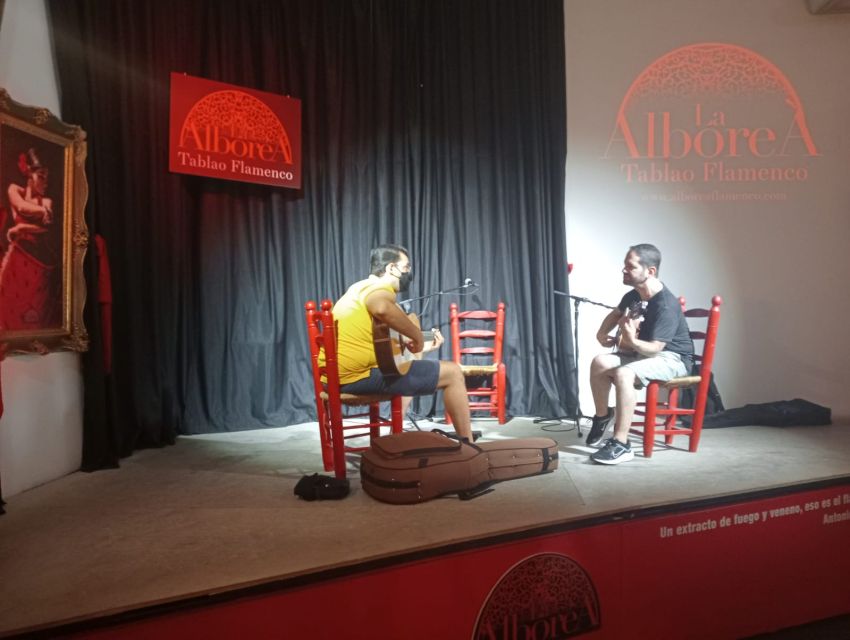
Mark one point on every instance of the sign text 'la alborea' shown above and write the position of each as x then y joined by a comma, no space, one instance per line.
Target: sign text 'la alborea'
711,112
223,131
711,140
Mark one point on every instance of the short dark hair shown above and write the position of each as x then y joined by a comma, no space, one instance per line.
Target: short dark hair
384,255
648,254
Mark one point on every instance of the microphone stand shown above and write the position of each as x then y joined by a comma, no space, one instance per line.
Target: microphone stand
405,303
578,415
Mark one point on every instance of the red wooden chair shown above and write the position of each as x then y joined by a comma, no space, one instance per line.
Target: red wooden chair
484,347
669,412
334,427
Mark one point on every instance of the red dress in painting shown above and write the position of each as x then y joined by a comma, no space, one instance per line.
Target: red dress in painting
30,286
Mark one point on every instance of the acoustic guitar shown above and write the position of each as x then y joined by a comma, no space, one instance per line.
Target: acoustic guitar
634,312
394,358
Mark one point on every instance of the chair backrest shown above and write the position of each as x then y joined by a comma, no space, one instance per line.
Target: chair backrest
705,357
496,334
321,330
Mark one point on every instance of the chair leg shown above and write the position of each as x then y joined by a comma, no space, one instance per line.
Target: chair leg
396,417
696,422
696,431
649,419
670,422
500,393
337,443
325,441
374,418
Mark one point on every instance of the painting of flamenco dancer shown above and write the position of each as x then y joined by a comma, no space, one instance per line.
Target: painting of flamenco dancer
31,266
43,233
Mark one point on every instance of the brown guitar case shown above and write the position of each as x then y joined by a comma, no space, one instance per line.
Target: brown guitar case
520,457
414,466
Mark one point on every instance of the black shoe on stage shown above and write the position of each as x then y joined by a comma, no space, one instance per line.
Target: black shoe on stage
614,452
599,427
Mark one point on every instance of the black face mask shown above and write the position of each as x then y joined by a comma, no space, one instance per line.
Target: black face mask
404,280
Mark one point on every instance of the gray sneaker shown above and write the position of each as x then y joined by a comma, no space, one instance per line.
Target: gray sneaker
599,427
614,452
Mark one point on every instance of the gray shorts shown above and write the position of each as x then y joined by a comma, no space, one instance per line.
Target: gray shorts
663,366
420,380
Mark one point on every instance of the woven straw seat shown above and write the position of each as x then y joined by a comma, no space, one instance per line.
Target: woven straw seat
351,400
681,383
479,370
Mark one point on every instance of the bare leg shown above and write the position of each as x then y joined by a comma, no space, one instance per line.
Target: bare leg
602,371
624,385
453,384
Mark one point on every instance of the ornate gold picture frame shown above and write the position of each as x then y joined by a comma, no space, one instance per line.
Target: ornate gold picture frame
43,233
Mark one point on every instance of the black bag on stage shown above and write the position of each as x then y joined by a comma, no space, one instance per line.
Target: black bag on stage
713,401
784,413
318,487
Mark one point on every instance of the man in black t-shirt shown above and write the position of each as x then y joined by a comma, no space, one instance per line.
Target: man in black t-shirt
652,343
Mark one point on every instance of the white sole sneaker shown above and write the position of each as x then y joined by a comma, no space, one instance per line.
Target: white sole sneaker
613,452
625,457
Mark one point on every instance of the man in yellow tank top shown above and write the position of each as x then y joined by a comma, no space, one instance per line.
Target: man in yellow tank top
375,296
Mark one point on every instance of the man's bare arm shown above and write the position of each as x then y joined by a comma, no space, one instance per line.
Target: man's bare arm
382,306
629,339
607,326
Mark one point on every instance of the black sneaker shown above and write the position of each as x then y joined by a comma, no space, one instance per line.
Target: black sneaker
599,427
614,452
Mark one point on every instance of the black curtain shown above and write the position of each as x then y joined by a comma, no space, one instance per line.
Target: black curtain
435,124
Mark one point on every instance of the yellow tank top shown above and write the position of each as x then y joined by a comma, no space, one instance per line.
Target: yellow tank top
355,350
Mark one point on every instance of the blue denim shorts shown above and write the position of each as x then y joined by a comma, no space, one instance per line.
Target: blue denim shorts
420,380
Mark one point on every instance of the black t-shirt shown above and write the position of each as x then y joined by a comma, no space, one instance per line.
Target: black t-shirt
662,320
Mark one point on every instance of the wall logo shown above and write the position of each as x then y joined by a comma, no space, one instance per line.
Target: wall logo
224,131
711,113
547,596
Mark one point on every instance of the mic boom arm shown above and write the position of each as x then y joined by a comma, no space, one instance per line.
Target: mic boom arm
467,282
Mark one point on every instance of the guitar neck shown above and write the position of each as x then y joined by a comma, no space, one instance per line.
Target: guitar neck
427,336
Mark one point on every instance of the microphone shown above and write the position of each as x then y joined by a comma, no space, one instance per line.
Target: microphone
468,282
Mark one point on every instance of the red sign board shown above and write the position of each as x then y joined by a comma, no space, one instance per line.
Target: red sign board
728,571
223,131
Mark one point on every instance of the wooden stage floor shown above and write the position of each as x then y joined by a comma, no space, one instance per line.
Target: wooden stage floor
217,513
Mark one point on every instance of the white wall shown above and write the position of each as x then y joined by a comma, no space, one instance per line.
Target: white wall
783,267
41,428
